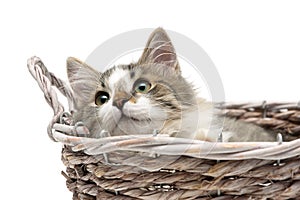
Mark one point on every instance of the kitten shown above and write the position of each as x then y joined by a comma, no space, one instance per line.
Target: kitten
149,95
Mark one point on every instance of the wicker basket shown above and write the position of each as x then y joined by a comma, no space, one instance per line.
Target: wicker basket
161,167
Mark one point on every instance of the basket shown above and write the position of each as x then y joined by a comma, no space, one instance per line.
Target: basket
161,167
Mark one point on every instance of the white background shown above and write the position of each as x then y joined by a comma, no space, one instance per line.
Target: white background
255,46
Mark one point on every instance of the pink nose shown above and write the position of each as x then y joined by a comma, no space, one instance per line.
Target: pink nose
119,103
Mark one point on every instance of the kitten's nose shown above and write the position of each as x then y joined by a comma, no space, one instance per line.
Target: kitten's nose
119,103
120,99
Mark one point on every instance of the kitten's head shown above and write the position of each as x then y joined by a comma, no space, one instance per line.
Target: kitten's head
137,98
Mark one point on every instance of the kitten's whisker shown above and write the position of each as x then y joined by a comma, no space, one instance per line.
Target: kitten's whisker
181,103
189,103
184,93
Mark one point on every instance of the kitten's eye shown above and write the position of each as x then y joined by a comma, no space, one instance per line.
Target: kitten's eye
101,98
142,87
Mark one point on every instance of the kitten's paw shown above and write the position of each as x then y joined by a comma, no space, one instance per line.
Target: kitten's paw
80,130
104,134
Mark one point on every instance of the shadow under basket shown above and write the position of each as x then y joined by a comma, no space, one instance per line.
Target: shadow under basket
162,167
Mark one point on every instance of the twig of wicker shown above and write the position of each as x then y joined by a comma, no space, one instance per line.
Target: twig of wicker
162,167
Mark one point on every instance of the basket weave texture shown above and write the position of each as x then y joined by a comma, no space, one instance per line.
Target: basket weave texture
161,167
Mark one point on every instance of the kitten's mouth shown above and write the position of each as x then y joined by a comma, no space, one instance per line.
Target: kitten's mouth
134,119
140,120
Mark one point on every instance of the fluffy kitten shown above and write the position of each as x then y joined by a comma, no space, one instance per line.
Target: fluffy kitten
149,95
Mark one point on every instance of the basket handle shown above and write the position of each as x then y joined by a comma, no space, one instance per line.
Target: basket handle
47,82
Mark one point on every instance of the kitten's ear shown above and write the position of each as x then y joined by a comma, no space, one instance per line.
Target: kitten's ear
84,80
159,49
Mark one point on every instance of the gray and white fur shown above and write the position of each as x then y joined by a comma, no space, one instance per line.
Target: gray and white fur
149,95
